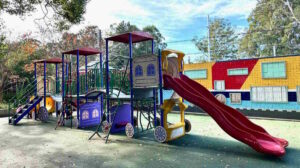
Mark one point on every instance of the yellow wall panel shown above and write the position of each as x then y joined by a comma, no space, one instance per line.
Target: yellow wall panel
292,74
208,65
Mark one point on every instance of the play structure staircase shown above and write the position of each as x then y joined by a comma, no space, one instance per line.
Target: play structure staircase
24,101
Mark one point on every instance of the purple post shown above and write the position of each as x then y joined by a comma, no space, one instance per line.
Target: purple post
160,88
154,90
63,83
131,80
56,87
86,79
35,83
101,82
107,81
45,84
78,106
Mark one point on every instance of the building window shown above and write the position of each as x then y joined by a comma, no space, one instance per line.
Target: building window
138,70
85,115
196,74
273,94
235,98
219,85
95,113
237,71
150,70
273,70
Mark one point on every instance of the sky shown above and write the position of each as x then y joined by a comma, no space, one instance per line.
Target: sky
176,19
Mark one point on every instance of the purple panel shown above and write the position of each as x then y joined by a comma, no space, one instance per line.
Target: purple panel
122,117
90,114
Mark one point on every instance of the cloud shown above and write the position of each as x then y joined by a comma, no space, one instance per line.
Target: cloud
172,17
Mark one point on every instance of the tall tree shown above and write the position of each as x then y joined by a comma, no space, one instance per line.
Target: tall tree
66,12
223,40
119,49
271,24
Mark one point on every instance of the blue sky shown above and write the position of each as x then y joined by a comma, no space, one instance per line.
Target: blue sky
176,19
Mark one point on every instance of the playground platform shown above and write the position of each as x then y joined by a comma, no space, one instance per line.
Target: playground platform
34,144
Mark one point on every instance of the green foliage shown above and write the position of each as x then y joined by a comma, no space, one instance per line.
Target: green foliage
66,12
120,49
271,24
223,40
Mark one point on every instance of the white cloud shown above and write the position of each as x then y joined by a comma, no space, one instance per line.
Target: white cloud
170,16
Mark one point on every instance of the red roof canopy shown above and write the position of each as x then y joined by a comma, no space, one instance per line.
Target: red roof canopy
54,60
137,36
83,51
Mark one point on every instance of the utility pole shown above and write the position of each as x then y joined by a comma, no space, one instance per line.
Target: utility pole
208,40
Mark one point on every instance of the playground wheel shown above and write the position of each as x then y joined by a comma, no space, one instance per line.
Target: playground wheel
160,134
129,129
188,125
43,114
105,127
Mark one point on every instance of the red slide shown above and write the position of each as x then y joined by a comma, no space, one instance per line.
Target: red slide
234,125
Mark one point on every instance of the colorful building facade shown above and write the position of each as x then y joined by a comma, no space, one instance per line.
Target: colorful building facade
271,83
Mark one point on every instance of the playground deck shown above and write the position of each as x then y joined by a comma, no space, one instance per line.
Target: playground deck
34,144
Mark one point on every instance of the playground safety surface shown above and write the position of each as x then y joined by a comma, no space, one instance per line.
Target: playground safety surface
35,144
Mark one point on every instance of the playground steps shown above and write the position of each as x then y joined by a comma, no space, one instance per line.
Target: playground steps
25,110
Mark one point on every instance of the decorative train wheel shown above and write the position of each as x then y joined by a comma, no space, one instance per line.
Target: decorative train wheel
129,129
188,125
221,98
43,114
105,127
160,134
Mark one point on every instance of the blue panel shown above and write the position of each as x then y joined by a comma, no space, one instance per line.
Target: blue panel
90,114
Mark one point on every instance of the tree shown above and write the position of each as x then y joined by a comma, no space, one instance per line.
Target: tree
120,49
271,24
66,12
223,40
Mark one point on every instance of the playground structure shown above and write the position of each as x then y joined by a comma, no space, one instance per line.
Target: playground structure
148,76
34,98
87,100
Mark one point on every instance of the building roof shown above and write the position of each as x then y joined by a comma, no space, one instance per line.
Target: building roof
83,51
137,36
54,60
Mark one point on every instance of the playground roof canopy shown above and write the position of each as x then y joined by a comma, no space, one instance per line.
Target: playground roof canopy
54,60
137,36
83,51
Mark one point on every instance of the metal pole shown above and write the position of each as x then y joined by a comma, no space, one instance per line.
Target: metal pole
56,88
77,85
107,82
154,89
101,83
63,84
35,83
131,80
86,78
45,84
160,89
208,39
